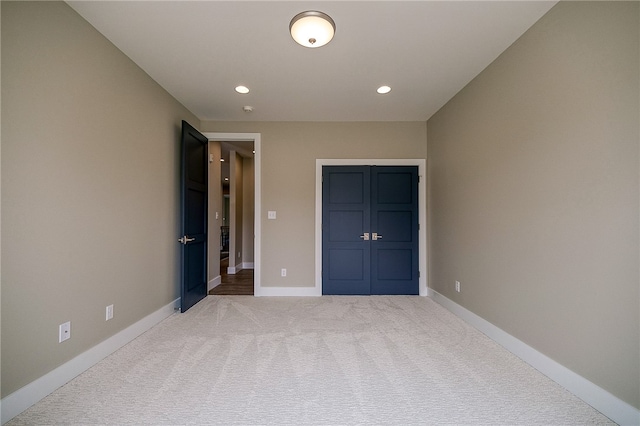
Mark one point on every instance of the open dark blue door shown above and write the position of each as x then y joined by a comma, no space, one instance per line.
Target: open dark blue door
193,228
370,230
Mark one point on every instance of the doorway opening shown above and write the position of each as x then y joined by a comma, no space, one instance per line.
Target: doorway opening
235,218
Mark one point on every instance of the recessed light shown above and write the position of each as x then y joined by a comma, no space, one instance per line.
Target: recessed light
222,160
242,89
383,90
226,178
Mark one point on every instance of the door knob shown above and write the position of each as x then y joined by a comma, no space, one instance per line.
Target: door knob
365,236
375,236
185,239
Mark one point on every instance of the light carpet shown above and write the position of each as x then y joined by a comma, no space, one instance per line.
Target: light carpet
332,360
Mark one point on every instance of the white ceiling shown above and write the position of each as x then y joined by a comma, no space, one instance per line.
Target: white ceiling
199,51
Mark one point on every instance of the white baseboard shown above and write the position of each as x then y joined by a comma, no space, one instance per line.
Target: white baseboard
25,397
287,291
600,399
232,270
214,283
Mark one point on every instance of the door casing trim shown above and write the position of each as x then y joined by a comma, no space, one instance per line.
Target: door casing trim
422,212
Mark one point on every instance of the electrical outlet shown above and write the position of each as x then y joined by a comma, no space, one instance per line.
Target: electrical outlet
109,313
283,272
64,331
458,286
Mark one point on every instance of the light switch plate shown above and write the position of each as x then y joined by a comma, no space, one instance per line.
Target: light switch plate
271,214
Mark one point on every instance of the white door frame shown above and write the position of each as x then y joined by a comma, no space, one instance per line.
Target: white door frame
422,211
244,137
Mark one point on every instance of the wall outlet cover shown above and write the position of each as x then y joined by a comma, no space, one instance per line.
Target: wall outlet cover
109,313
64,332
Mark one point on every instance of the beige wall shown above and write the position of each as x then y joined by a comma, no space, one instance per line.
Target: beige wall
534,192
236,210
248,208
288,154
89,189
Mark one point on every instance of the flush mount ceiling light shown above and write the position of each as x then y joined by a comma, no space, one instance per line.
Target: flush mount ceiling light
312,28
242,89
383,90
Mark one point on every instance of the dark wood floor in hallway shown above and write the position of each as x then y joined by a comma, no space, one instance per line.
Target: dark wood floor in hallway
239,284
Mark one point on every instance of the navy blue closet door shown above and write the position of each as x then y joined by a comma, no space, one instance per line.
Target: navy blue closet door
370,230
394,219
346,193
